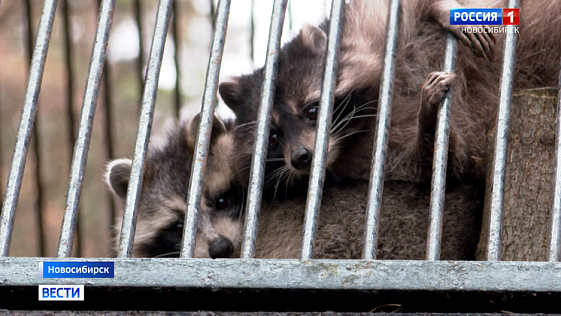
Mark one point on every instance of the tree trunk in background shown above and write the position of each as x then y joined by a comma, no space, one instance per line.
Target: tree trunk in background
529,179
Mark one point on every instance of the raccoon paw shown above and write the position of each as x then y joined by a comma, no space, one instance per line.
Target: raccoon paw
481,44
435,88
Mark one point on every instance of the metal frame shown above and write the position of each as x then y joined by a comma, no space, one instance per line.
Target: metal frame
366,274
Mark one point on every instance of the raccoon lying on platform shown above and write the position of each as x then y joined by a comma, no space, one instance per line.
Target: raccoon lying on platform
340,233
417,93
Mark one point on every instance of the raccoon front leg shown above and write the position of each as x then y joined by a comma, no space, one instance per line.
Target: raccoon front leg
432,94
482,44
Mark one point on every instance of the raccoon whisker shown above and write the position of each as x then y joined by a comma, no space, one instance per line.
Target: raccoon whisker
249,124
346,120
285,172
274,174
349,117
337,139
342,106
164,255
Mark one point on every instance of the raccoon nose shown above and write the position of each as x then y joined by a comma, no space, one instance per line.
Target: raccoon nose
301,158
221,248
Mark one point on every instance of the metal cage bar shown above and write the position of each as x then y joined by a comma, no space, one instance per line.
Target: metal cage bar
555,237
108,133
501,143
175,25
441,139
205,128
71,127
144,128
36,143
317,173
138,15
25,129
376,186
81,148
260,146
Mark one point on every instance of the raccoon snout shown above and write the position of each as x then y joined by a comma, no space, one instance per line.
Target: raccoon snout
221,247
301,158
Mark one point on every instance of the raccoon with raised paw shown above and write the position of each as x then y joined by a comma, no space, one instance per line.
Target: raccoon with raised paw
418,89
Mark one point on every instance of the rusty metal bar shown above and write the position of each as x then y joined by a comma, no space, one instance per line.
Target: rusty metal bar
317,172
36,143
25,129
440,162
205,128
376,186
82,146
501,143
258,162
144,128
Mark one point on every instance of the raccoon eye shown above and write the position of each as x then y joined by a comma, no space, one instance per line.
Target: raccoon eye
274,141
312,113
178,228
222,203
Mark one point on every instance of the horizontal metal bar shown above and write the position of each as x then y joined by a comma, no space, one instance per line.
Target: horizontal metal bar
382,133
312,274
501,143
261,144
82,146
144,128
317,172
25,129
205,128
440,162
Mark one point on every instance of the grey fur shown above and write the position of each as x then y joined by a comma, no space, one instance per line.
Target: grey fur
403,227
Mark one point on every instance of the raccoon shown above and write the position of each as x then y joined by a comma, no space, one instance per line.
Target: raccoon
418,89
161,212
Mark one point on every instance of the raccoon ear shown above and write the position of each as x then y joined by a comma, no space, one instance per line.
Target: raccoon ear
231,93
314,38
218,128
117,177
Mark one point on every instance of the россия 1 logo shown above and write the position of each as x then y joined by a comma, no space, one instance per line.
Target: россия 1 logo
484,17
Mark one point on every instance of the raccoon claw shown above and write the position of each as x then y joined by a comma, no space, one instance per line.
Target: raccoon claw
482,44
436,86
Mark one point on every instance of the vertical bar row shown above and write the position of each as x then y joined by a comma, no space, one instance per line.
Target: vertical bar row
82,146
321,145
260,146
376,185
38,207
25,129
439,164
144,128
555,238
205,128
501,143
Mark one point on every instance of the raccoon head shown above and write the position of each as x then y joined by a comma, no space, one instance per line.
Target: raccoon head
161,212
296,103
